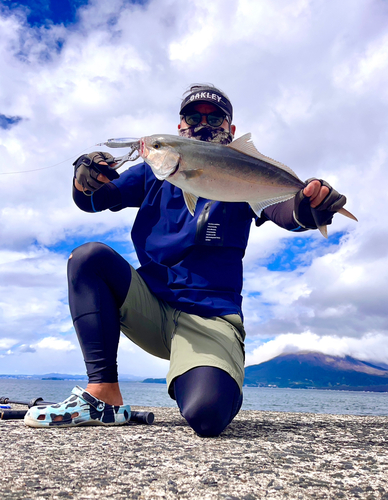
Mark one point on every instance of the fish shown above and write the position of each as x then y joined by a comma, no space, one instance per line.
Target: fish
236,172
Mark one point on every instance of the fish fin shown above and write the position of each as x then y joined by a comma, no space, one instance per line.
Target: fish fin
346,213
245,145
323,230
191,174
191,201
259,207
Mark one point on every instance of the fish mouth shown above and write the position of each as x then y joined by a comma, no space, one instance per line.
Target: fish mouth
175,170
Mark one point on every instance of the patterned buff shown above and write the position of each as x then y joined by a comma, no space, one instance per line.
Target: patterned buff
207,134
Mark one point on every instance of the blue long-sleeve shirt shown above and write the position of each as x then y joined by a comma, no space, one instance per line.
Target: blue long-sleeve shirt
193,263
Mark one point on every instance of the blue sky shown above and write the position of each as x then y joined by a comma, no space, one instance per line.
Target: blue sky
46,12
306,77
43,12
7,122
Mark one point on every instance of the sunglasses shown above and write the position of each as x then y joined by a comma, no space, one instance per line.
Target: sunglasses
214,119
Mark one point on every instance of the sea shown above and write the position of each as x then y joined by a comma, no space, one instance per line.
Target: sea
255,398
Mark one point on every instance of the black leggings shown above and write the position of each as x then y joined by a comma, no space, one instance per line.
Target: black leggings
99,279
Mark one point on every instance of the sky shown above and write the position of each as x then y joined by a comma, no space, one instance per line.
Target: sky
308,79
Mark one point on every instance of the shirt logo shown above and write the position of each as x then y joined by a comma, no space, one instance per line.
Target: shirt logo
212,230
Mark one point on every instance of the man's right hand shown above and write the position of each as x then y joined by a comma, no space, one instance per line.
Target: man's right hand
92,171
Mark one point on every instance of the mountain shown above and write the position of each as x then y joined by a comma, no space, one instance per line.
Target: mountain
314,370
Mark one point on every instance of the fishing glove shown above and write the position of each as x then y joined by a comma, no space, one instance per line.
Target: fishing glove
311,218
88,167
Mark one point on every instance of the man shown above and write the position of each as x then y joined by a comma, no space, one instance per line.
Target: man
184,302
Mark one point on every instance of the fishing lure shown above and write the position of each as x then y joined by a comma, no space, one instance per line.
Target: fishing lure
124,142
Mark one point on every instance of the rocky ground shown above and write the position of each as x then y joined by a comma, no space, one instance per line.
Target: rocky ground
260,455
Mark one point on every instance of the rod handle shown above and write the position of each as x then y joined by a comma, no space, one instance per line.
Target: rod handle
12,414
142,417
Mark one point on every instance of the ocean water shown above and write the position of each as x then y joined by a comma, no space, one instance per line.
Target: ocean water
255,398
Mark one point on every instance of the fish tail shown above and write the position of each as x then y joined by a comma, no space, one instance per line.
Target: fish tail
322,227
323,230
346,213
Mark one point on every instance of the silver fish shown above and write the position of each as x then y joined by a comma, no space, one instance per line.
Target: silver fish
233,173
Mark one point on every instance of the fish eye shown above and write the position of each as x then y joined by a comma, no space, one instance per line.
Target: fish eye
157,145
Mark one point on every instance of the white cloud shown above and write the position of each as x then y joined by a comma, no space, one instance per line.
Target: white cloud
343,292
7,343
33,293
135,361
370,347
55,343
308,79
366,69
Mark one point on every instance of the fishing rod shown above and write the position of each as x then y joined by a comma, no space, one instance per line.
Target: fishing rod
141,417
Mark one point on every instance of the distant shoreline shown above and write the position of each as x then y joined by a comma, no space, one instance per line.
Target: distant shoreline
82,378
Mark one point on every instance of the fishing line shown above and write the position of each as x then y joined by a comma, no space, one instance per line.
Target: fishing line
45,168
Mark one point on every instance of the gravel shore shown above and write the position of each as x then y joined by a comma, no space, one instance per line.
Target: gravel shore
260,455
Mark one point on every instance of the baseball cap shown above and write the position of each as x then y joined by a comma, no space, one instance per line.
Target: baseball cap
208,94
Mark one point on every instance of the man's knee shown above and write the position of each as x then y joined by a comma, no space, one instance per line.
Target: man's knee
208,398
87,260
207,420
86,252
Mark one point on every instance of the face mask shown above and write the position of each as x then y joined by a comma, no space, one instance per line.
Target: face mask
207,134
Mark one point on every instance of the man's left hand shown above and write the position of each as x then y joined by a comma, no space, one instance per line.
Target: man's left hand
318,194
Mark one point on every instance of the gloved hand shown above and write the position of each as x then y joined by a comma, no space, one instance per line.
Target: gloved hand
323,213
87,168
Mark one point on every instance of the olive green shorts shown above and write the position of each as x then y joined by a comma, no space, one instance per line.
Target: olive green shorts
185,339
